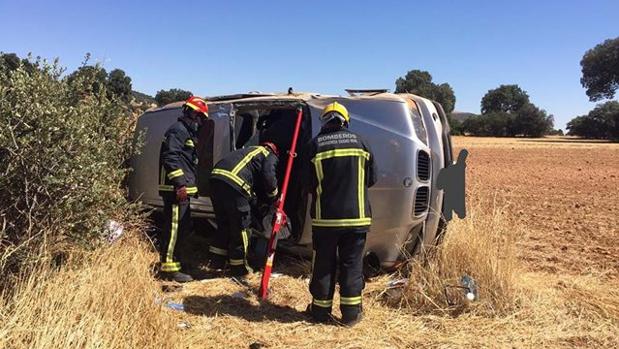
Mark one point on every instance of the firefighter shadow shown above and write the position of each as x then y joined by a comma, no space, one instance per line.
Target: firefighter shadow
242,308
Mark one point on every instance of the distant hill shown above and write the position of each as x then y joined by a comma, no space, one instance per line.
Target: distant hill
460,116
143,97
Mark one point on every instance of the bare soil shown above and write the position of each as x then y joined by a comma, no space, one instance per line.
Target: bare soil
565,190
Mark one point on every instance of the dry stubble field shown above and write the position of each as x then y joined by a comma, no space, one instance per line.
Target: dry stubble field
540,239
565,191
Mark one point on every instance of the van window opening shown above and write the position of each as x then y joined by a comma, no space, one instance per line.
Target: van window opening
255,123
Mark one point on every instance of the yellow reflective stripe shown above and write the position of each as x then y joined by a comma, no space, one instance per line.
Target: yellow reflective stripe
320,177
245,235
354,222
361,186
350,300
248,158
162,176
237,262
190,190
342,152
218,251
273,193
327,303
173,234
176,173
170,267
236,179
189,143
245,240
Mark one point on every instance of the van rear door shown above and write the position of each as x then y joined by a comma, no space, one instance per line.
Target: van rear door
214,142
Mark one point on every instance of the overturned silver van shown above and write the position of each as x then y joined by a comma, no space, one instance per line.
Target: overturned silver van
408,134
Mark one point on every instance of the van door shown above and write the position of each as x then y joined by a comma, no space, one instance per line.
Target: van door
214,142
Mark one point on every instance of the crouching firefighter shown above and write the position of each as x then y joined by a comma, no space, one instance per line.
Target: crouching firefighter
339,169
236,182
178,161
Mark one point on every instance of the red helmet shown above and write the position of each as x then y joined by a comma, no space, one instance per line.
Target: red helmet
198,104
271,146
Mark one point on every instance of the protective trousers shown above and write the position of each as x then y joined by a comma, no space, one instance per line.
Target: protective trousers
176,226
328,244
233,217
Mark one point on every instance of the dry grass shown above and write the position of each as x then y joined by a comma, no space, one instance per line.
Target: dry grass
484,247
106,302
113,302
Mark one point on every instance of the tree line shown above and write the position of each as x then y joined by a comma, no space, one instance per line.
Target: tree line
116,82
507,111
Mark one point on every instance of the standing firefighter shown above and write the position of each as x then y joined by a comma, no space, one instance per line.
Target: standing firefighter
340,169
236,182
178,161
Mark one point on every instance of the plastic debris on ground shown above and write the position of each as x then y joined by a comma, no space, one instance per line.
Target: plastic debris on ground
113,230
184,325
395,288
175,306
470,286
467,289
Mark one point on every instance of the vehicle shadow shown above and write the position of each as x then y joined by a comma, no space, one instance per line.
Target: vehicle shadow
242,308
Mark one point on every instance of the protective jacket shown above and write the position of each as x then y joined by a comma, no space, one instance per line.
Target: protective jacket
178,160
251,171
340,169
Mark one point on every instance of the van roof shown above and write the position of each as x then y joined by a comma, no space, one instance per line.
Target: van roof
308,97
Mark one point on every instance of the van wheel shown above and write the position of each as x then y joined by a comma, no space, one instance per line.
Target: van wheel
442,228
413,243
440,232
371,265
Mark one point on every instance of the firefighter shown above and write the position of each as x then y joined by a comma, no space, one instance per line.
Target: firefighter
339,169
236,182
178,161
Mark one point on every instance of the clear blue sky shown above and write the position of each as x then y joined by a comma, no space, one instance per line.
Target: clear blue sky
223,47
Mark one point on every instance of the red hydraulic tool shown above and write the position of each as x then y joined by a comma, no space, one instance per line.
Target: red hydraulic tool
279,219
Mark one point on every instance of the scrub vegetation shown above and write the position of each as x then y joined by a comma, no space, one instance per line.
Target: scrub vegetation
64,143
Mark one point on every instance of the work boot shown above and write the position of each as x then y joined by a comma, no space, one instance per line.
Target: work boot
240,271
175,276
319,315
216,264
351,315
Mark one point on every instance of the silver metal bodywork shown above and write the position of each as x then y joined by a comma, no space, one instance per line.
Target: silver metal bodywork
386,121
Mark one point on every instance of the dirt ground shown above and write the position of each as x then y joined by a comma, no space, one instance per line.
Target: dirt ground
565,191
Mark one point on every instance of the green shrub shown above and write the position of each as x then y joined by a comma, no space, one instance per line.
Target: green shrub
63,150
